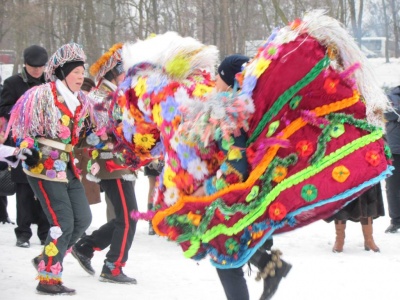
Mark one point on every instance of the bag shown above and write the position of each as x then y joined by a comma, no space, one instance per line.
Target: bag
7,187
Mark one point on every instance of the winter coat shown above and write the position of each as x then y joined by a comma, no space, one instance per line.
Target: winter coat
393,121
14,87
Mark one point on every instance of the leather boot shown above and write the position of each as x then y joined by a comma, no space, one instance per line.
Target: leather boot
340,227
369,243
271,269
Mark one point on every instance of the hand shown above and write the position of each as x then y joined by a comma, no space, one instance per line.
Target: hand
32,158
199,192
22,153
157,165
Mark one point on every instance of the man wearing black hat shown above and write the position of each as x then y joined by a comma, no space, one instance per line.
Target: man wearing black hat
28,208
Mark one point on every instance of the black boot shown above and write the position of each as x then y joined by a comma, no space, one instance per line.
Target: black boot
83,260
272,270
54,289
107,275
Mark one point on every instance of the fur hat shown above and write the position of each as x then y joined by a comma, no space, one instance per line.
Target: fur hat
111,61
67,53
35,56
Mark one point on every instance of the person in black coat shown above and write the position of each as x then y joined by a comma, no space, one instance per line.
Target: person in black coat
393,140
29,210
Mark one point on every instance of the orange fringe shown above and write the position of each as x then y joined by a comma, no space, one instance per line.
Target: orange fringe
261,167
95,68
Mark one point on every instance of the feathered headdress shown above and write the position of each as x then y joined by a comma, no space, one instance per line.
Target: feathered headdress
66,53
178,56
106,62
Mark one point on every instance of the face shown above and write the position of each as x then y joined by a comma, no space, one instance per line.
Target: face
120,78
35,72
74,79
220,85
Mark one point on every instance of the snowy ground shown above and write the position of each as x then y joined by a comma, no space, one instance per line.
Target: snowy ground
163,273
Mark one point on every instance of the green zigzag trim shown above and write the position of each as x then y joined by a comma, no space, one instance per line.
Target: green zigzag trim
287,95
285,184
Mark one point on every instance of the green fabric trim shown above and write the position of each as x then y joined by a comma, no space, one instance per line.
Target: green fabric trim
287,96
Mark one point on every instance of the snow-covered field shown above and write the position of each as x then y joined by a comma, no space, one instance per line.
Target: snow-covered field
163,273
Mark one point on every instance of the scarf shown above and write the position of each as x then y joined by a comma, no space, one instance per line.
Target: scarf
70,98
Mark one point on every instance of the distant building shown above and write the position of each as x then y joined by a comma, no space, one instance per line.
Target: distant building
7,56
378,45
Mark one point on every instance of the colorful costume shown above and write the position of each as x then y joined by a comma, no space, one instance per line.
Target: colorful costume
49,118
312,114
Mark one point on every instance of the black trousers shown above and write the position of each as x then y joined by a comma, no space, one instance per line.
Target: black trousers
29,211
393,191
3,208
234,283
118,233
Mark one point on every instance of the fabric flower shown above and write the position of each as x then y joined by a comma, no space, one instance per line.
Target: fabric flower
175,140
261,66
51,174
56,268
277,211
54,154
27,143
51,250
271,51
201,89
279,174
185,155
37,169
340,173
309,192
48,164
231,246
55,232
157,114
304,148
194,218
330,85
41,266
171,195
65,120
169,109
94,154
64,133
92,139
145,141
94,169
140,87
198,169
249,84
64,156
184,181
169,176
373,158
60,165
46,150
62,175
234,154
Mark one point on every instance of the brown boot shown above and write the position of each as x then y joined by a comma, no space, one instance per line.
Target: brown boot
340,227
369,244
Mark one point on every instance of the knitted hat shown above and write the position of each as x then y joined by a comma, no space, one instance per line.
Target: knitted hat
230,66
67,53
111,61
35,56
62,71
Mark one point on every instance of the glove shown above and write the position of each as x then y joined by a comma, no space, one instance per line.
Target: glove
21,154
156,165
32,158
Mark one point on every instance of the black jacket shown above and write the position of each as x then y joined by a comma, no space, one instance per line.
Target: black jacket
393,121
14,87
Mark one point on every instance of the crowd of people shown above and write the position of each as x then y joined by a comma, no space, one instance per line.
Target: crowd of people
69,138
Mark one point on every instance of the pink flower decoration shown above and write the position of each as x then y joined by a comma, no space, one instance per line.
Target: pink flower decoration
56,269
104,137
41,266
54,154
64,132
94,169
30,141
61,175
101,131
